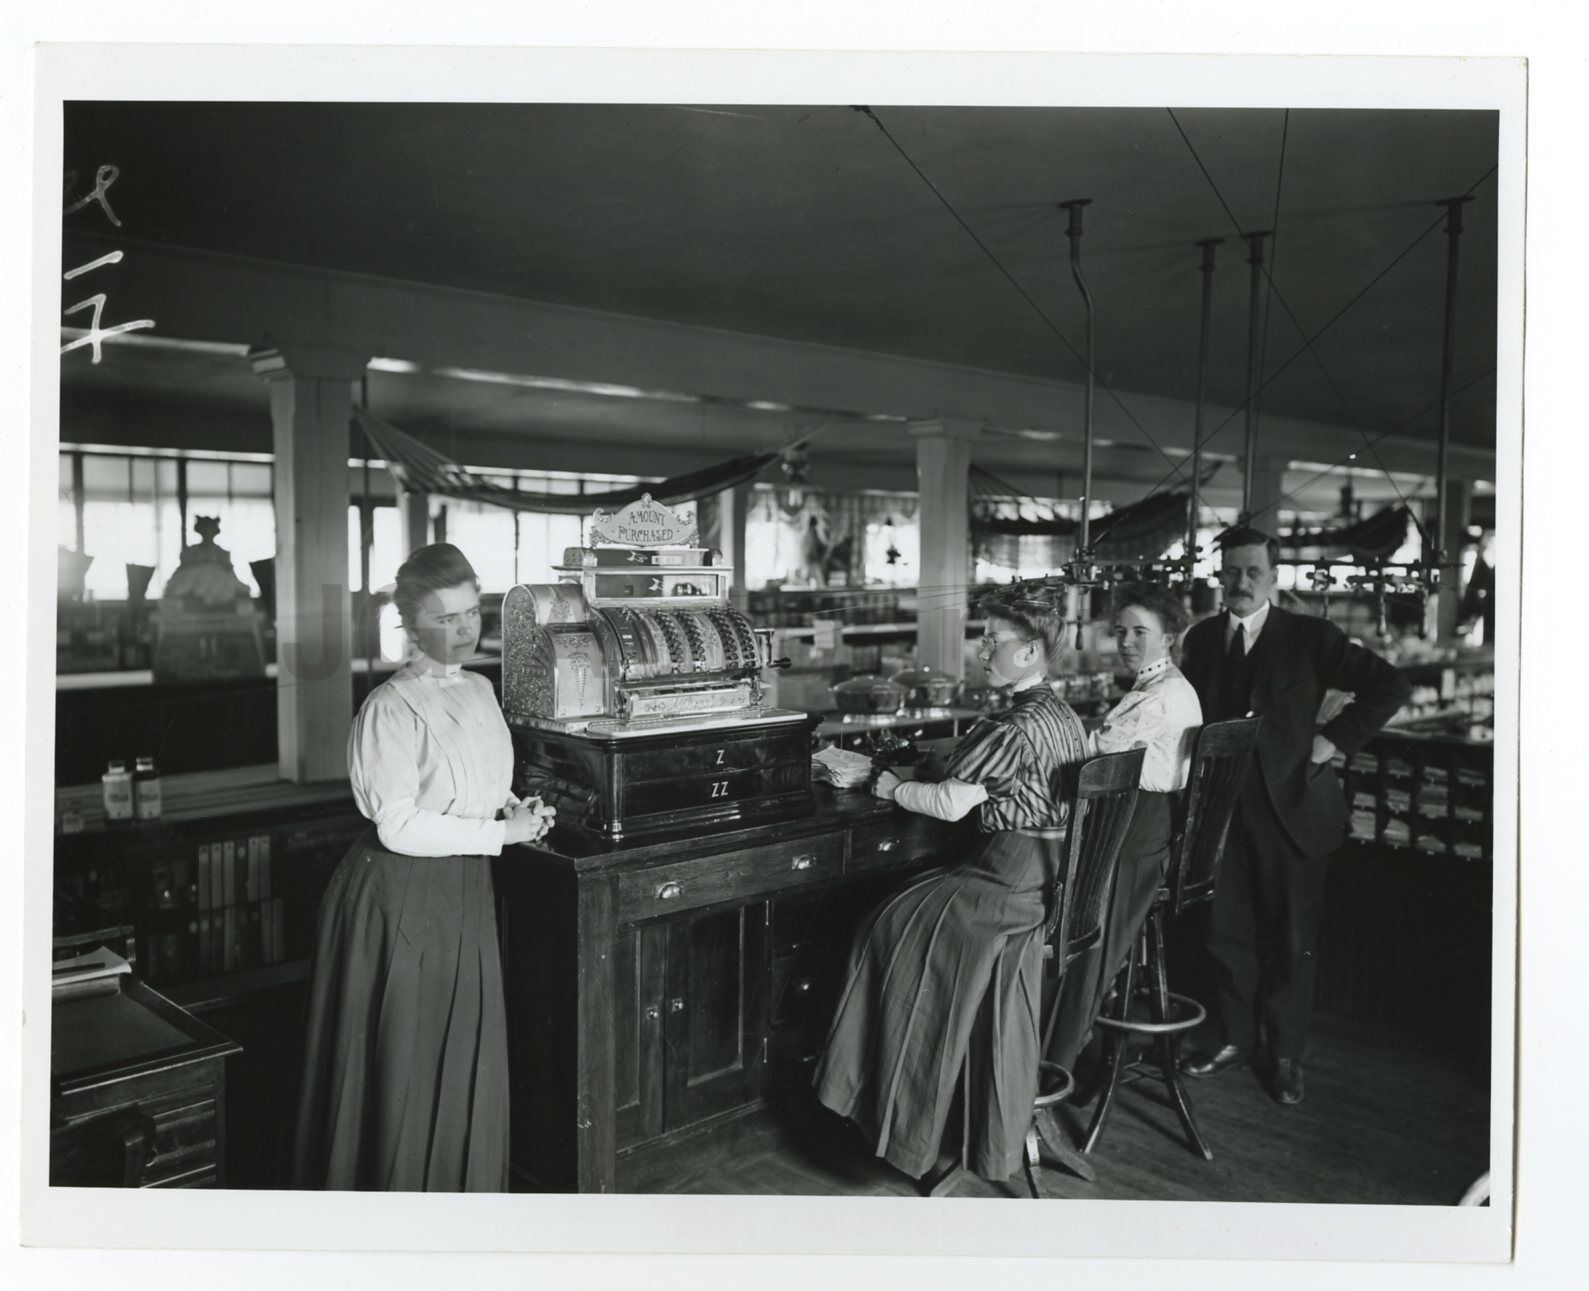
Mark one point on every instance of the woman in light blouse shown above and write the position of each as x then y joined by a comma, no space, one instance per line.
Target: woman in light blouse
1160,715
405,1083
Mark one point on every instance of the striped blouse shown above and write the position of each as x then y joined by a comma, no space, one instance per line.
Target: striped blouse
1014,757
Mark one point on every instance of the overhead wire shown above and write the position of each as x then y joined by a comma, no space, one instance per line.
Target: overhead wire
1276,294
1011,279
1320,331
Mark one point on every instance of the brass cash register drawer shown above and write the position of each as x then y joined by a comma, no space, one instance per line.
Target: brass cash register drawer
708,880
731,751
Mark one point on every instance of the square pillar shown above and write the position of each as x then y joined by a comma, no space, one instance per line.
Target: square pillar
722,525
414,514
943,466
1268,487
1455,509
311,402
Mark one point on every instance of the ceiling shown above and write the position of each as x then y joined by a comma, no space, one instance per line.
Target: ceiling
813,224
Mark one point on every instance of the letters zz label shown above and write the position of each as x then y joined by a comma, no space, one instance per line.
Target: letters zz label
719,788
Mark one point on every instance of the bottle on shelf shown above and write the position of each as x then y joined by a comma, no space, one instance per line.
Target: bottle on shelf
116,790
146,790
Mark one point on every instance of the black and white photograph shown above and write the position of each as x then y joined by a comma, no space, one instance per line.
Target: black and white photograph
680,642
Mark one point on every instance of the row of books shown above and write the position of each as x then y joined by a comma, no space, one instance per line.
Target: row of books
220,874
230,939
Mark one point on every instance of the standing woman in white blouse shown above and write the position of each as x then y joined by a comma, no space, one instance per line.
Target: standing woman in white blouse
1160,714
405,1082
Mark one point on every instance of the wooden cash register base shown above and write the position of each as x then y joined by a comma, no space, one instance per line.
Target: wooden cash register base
662,994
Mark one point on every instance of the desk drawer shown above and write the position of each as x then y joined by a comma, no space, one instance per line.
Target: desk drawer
664,890
901,838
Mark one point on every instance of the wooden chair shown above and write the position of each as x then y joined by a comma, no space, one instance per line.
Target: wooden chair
1101,792
1100,812
1221,758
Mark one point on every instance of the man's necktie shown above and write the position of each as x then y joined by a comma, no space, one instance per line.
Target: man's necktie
1238,647
1235,662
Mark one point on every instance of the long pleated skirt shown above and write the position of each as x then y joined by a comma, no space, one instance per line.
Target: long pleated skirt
948,967
405,1081
1144,859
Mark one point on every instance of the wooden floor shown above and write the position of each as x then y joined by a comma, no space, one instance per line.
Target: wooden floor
1384,1122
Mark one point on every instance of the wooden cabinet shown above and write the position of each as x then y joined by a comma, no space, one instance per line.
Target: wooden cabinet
139,1093
658,990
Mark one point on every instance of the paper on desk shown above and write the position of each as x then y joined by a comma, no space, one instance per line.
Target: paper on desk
88,967
841,767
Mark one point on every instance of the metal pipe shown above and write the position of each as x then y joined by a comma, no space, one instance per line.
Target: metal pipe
1453,207
1206,268
1254,310
1073,233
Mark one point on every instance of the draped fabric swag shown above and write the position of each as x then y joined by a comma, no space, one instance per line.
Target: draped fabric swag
419,468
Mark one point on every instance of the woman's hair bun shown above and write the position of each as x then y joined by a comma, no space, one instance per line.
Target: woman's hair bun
429,569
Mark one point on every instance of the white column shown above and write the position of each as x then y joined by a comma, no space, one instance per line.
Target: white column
1268,487
414,510
943,462
1454,511
311,400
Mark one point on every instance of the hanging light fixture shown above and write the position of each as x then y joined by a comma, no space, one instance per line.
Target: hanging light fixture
791,494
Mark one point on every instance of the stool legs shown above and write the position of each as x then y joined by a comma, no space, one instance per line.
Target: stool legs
1165,1033
1117,1047
1169,1042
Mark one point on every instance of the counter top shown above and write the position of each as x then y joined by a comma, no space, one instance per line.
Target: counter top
835,809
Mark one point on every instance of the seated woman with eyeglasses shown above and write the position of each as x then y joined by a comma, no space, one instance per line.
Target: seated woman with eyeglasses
1160,714
952,963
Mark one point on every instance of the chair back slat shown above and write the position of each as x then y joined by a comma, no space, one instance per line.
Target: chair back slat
1100,811
1221,759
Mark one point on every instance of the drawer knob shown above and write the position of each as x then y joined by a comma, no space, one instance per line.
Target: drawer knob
652,1013
803,862
886,844
676,1006
670,891
802,985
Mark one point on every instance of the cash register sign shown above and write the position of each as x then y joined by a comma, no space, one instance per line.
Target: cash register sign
643,523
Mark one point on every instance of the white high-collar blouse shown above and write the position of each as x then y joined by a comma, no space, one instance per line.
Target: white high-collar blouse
1161,714
431,763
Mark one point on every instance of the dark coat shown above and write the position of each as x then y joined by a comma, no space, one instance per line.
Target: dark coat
1297,658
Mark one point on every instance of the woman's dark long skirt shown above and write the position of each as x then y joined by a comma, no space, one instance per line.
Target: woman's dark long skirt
405,1083
951,964
1144,860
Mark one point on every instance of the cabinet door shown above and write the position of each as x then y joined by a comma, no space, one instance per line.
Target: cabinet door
715,1012
639,983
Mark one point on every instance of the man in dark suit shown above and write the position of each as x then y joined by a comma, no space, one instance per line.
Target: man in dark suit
1263,928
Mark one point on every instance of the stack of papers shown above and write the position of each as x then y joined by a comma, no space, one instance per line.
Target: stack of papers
91,973
841,768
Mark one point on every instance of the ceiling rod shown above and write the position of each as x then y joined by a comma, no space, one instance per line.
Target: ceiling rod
1254,310
1453,231
1206,268
1073,233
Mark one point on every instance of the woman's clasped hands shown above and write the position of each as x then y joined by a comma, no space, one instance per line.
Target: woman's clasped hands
528,820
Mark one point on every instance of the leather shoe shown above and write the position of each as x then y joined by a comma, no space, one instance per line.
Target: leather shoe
1287,1082
1207,1064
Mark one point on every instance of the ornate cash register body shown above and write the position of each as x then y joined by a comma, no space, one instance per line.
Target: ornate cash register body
633,688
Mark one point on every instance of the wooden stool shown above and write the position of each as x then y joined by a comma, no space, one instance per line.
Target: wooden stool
1221,758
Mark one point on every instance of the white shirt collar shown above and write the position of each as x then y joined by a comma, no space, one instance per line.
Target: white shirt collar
1253,623
1156,669
444,674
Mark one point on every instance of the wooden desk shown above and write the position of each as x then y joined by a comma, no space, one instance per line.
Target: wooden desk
138,1093
664,991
